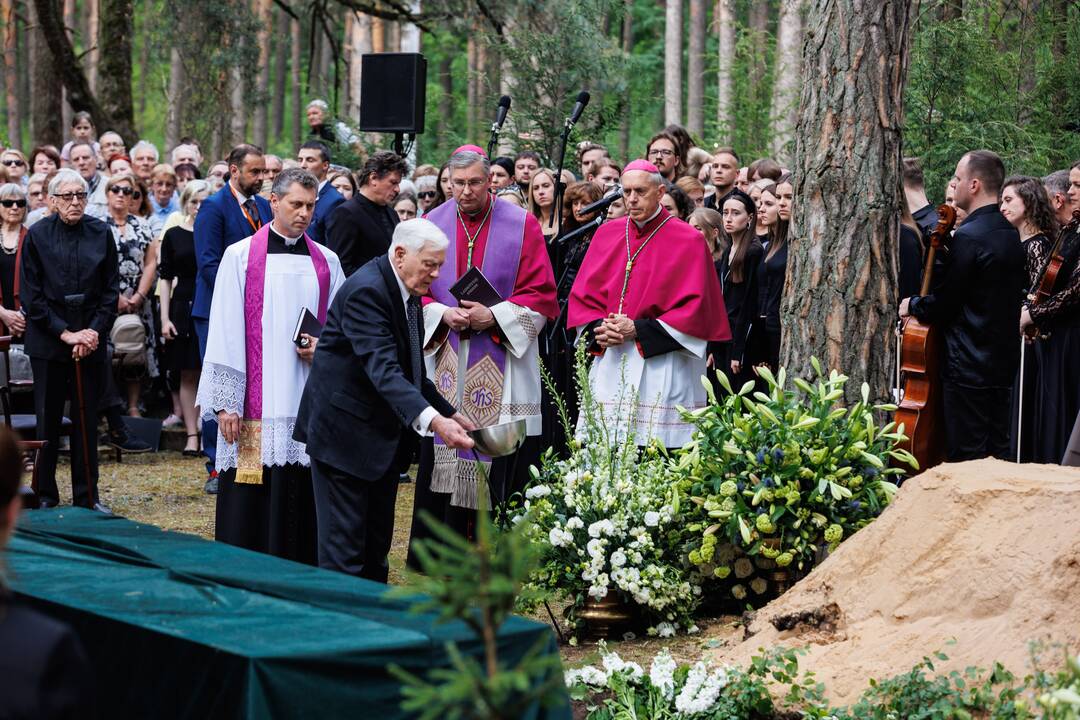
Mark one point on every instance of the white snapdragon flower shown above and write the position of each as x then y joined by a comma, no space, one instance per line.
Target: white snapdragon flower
662,673
701,690
587,675
537,491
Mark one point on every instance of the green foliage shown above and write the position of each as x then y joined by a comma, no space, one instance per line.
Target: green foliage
477,584
772,687
993,80
775,477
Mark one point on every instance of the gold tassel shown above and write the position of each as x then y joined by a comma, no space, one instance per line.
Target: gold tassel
249,467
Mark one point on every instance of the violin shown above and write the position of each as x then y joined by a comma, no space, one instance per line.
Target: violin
920,408
1049,277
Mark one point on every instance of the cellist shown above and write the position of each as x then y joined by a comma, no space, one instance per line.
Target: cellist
976,302
1055,402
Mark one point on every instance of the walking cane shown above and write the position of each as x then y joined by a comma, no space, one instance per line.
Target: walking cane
90,484
1020,404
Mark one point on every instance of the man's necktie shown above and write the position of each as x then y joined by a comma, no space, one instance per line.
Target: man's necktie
253,212
412,311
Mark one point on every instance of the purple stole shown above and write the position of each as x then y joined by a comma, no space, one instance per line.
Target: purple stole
249,455
481,389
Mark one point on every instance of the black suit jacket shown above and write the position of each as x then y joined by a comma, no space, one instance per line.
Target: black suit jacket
44,674
977,301
70,281
354,232
360,400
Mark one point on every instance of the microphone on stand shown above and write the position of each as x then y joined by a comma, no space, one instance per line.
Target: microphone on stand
615,193
579,107
496,127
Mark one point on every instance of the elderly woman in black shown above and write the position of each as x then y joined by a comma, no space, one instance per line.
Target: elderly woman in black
69,288
13,206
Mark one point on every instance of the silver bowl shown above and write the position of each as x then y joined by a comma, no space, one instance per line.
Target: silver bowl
499,440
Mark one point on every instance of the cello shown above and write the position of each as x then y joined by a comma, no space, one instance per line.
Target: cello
920,408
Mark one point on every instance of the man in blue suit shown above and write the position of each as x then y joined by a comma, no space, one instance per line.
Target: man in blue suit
229,215
314,157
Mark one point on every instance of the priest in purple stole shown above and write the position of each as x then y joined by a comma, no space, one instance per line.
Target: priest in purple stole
483,360
253,374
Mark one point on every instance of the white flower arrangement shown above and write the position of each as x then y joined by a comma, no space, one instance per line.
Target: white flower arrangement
607,519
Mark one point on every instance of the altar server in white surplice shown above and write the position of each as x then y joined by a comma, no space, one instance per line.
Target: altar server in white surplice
253,374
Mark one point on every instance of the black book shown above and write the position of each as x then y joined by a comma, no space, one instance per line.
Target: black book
474,287
306,324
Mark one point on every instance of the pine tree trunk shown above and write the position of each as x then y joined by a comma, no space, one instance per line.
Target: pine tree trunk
11,74
410,34
446,99
260,128
627,49
325,80
114,82
695,69
840,298
173,111
298,121
673,31
281,69
23,40
93,42
348,57
725,30
378,34
470,92
785,98
68,25
46,90
361,47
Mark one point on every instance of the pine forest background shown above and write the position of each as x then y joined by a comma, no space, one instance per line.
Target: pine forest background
1000,74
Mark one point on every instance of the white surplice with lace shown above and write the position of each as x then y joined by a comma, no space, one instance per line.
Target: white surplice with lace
291,285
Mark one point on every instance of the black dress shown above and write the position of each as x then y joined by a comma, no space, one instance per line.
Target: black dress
764,344
741,303
1055,393
178,262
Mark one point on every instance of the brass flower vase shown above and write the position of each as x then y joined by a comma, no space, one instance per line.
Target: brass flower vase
605,617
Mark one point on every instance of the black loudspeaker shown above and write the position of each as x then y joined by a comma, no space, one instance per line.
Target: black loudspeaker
393,92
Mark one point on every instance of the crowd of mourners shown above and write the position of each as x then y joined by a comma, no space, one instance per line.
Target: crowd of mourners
165,250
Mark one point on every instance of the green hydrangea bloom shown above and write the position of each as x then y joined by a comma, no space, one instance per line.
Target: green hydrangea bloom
722,572
728,488
764,524
833,534
784,559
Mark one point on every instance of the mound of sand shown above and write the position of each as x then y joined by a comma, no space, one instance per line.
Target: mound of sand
985,553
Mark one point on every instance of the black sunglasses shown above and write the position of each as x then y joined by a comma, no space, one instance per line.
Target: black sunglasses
117,190
15,162
13,203
426,194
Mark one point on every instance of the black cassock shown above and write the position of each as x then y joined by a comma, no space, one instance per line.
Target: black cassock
276,517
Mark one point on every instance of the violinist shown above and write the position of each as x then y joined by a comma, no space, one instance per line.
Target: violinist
976,303
1055,402
1025,205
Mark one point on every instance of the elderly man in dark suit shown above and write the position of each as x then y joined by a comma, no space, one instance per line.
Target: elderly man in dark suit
361,228
231,214
368,400
69,290
314,157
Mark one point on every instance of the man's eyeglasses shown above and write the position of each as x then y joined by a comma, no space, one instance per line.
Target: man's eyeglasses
13,203
117,190
14,162
661,152
426,194
71,197
472,184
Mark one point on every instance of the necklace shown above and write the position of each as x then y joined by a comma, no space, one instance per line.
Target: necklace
6,249
472,238
631,258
